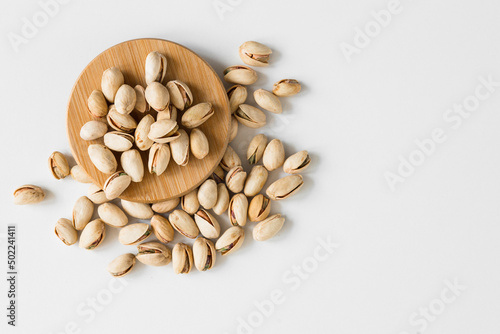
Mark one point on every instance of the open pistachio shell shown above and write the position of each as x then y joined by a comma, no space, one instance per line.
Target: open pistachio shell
82,212
180,148
65,231
286,87
297,162
58,165
285,187
255,181
231,240
259,208
256,148
159,157
250,116
134,233
218,174
96,194
169,113
92,235
235,179
240,74
184,224
28,194
162,229
164,131
157,96
255,54
268,228
118,141
180,94
155,67
125,99
121,122
182,258
116,184
98,107
142,141
141,105
197,115
190,203
207,224
230,159
237,95
238,210
122,265
154,254
204,254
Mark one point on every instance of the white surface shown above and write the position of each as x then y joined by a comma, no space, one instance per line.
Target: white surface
396,248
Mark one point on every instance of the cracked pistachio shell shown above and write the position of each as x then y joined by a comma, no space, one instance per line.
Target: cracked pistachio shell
204,254
82,212
180,148
286,87
169,113
274,155
240,74
259,208
157,96
162,229
297,162
268,228
93,130
141,105
92,235
137,210
134,233
238,210
255,181
159,157
250,116
166,206
28,194
255,54
96,194
237,95
125,99
197,115
118,141
198,143
184,224
285,187
233,131
111,81
231,240
142,140
256,148
132,165
218,174
153,254
98,107
116,184
235,179
155,67
190,203
207,194
112,215
102,158
122,265
230,159
182,258
268,101
180,94
58,165
222,199
121,122
207,224
164,131
78,174
65,231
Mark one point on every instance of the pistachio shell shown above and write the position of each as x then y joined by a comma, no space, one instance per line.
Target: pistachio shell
28,194
207,224
230,159
297,162
134,233
180,94
255,181
285,187
157,96
159,157
166,206
233,131
198,143
137,210
197,115
82,212
231,240
154,254
255,54
274,155
268,228
268,101
164,131
286,87
204,254
162,228
118,141
92,235
169,113
184,224
111,81
142,140
237,95
102,158
112,215
122,265
125,99
116,184
259,208
78,174
96,194
218,174
238,209
190,203
256,148
182,258
222,199
207,194
98,107
156,67
58,165
250,116
66,232
140,104
240,74
93,130
121,122
180,148
132,165
235,179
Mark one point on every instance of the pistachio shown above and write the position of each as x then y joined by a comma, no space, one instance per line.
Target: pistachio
190,203
286,87
180,94
180,148
111,81
255,54
237,95
157,96
134,233
259,208
268,101
184,224
237,210
118,141
132,165
154,254
256,148
166,206
169,113
231,240
197,115
82,212
98,107
207,194
137,210
116,184
28,194
230,159
240,74
207,224
96,194
182,258
233,131
268,228
142,140
79,174
218,174
58,165
164,131
235,179
222,199
93,130
255,181
122,265
66,232
204,254
274,155
102,158
198,143
250,116
92,235
140,104
112,215
297,162
285,187
121,122
125,99
159,157
156,67
162,229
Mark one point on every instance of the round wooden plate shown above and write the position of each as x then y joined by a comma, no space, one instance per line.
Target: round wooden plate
184,65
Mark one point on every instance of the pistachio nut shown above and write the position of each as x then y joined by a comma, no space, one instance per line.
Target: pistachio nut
250,116
162,229
111,81
297,162
230,159
197,115
274,155
255,54
159,157
233,131
122,265
198,143
82,212
121,122
140,104
268,228
116,184
153,254
134,233
180,148
207,194
285,187
157,96
93,130
204,254
231,240
137,210
125,99
79,174
180,94
237,95
218,174
238,210
166,206
142,140
118,141
235,179
28,194
184,224
240,74
259,208
255,181
169,113
207,224
286,87
268,101
182,258
164,131
66,232
222,199
256,148
98,107
92,235
58,165
156,67
190,203
112,215
96,194
132,165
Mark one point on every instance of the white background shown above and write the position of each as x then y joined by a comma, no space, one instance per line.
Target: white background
397,249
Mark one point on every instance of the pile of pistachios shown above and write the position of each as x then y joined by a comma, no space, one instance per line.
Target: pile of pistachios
228,189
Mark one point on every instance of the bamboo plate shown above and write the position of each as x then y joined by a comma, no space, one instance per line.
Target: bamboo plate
183,64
